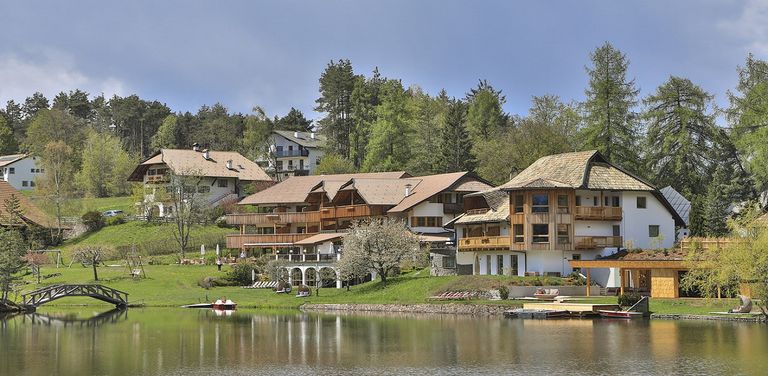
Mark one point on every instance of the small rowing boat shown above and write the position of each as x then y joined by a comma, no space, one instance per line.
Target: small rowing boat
224,305
619,314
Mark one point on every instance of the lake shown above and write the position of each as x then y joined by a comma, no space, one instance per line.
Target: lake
78,341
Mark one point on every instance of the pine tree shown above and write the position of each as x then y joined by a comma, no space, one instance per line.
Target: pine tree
680,135
611,127
389,148
456,147
14,214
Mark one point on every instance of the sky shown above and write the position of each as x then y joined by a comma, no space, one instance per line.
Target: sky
271,53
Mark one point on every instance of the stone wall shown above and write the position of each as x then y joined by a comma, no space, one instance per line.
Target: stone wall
449,308
664,283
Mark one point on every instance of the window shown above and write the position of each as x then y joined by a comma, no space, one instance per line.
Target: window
519,203
576,256
32,170
317,161
606,200
562,204
540,233
42,170
595,201
499,264
24,183
426,222
449,262
517,231
32,183
279,165
615,201
641,203
189,189
578,200
463,232
223,183
616,230
540,203
12,170
448,198
203,189
563,234
436,199
653,231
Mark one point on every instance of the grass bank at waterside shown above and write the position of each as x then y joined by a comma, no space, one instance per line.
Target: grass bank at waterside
175,285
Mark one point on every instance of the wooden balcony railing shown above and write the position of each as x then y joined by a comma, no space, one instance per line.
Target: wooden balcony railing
267,240
273,218
308,258
484,242
155,179
350,211
598,213
594,242
705,244
453,208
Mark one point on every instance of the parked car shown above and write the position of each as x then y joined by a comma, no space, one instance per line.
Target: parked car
112,213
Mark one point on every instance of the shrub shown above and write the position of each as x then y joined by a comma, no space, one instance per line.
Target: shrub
504,292
627,300
209,282
116,220
241,273
93,221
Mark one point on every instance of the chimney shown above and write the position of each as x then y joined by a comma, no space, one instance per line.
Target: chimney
296,134
229,165
206,155
408,189
195,147
312,135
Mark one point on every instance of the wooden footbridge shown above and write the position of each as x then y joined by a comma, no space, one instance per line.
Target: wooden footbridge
48,294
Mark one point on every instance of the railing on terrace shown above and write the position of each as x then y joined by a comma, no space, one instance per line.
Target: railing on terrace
593,242
477,211
273,218
266,240
350,211
484,242
308,257
598,213
689,244
292,153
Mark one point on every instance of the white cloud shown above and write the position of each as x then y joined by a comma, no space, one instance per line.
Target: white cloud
751,26
49,73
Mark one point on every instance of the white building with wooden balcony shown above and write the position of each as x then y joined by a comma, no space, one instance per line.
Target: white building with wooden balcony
303,220
223,176
292,153
572,206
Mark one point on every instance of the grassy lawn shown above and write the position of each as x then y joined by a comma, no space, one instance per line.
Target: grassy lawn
79,206
138,232
174,285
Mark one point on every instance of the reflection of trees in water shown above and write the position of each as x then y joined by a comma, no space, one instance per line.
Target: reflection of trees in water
73,319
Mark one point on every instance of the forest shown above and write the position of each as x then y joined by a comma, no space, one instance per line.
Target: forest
672,135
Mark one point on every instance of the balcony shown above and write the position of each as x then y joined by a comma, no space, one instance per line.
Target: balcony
266,240
484,242
598,213
155,179
292,153
595,242
350,211
451,208
273,218
310,258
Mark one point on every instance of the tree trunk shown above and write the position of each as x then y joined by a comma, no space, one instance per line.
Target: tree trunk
95,274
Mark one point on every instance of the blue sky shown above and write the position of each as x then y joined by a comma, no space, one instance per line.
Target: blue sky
271,54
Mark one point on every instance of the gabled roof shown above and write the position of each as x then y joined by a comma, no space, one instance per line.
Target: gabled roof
304,138
681,205
191,162
294,190
431,185
31,213
5,160
578,170
381,191
498,204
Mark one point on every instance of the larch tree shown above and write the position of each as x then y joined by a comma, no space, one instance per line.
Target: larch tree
428,114
105,164
680,132
389,148
167,135
610,124
485,115
380,245
57,184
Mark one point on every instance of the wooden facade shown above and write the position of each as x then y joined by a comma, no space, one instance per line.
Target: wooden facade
242,241
558,218
484,243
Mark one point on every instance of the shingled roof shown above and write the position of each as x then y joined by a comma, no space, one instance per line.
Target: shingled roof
431,185
191,162
303,138
498,204
31,213
578,170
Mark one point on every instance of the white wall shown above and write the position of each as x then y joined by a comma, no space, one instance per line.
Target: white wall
483,258
23,172
636,221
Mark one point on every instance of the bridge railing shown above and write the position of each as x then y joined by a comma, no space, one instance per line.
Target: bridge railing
101,292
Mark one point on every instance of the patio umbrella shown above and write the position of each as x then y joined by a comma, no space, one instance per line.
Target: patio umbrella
218,253
202,250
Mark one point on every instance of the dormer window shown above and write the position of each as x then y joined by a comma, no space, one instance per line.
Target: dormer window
540,203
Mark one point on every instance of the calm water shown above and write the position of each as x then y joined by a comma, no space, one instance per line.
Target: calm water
197,342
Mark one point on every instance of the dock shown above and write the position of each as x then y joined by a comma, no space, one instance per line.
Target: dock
575,309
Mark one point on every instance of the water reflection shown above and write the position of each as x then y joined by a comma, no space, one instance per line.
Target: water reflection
168,341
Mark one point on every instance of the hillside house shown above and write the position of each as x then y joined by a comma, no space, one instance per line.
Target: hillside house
21,170
292,153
